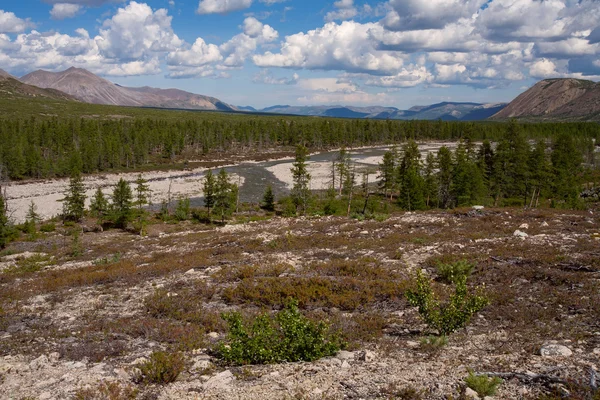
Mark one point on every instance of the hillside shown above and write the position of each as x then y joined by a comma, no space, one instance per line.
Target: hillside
556,99
447,111
91,88
11,88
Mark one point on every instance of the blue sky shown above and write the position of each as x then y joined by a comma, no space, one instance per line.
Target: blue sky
307,52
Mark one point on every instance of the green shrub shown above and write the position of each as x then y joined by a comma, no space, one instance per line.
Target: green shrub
107,391
483,385
49,227
161,368
450,272
449,316
289,336
432,344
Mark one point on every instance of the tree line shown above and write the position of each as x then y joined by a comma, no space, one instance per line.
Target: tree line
55,147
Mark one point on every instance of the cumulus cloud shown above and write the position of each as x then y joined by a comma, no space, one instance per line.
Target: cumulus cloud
64,10
358,97
10,23
344,10
408,77
543,69
347,46
271,2
135,32
222,6
431,14
200,53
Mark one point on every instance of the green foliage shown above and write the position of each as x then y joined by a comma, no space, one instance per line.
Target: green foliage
183,209
122,198
48,227
225,195
99,206
289,336
432,344
107,391
76,245
301,178
449,316
452,272
483,385
208,187
268,203
142,193
6,227
74,200
161,368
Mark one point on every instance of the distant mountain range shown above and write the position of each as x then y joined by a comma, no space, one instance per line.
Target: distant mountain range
11,87
447,111
556,99
90,88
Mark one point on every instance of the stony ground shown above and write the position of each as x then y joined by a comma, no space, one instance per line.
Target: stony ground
78,316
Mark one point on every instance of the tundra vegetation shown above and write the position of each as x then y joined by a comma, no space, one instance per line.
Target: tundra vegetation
426,295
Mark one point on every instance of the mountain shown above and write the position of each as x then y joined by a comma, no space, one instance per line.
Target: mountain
246,108
90,88
557,99
446,111
11,87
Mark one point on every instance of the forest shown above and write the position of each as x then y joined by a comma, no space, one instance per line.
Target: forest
54,146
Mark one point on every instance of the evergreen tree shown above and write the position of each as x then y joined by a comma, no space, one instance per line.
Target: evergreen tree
142,193
183,209
74,200
431,188
208,187
411,182
5,225
269,199
301,178
539,171
510,165
444,176
387,173
224,201
99,206
32,214
122,202
485,161
467,179
343,167
566,169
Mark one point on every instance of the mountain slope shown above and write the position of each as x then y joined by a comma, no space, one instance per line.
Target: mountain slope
11,88
91,88
556,99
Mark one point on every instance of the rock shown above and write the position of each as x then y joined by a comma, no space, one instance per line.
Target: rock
220,381
555,350
190,271
478,208
45,396
345,364
520,234
367,356
54,357
544,224
345,355
412,344
471,394
213,335
364,232
38,363
201,365
524,226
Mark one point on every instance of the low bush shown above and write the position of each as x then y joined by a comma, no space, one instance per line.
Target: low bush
107,391
49,227
449,316
483,385
289,336
451,272
432,344
161,368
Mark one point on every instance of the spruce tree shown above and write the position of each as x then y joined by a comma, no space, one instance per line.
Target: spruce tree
74,200
431,188
208,187
409,177
99,206
510,165
268,202
539,171
444,176
387,173
224,201
122,202
5,225
301,178
566,169
142,193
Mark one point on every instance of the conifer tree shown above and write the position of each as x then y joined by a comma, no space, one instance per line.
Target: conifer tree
444,176
431,188
387,173
74,200
510,165
344,170
301,178
99,206
268,202
539,170
411,182
142,193
5,226
122,202
224,201
566,169
208,187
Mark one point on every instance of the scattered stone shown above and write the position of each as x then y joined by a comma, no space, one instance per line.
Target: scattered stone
478,208
544,224
345,364
524,226
213,335
345,355
190,271
220,381
555,350
520,234
54,357
412,344
367,356
38,363
471,394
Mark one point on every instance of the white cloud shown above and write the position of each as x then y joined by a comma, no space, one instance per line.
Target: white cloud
200,53
241,46
10,23
345,10
328,85
136,32
358,97
64,10
347,46
430,14
566,48
410,76
542,69
222,6
271,2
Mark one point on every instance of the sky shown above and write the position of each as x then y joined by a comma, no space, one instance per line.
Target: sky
397,53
